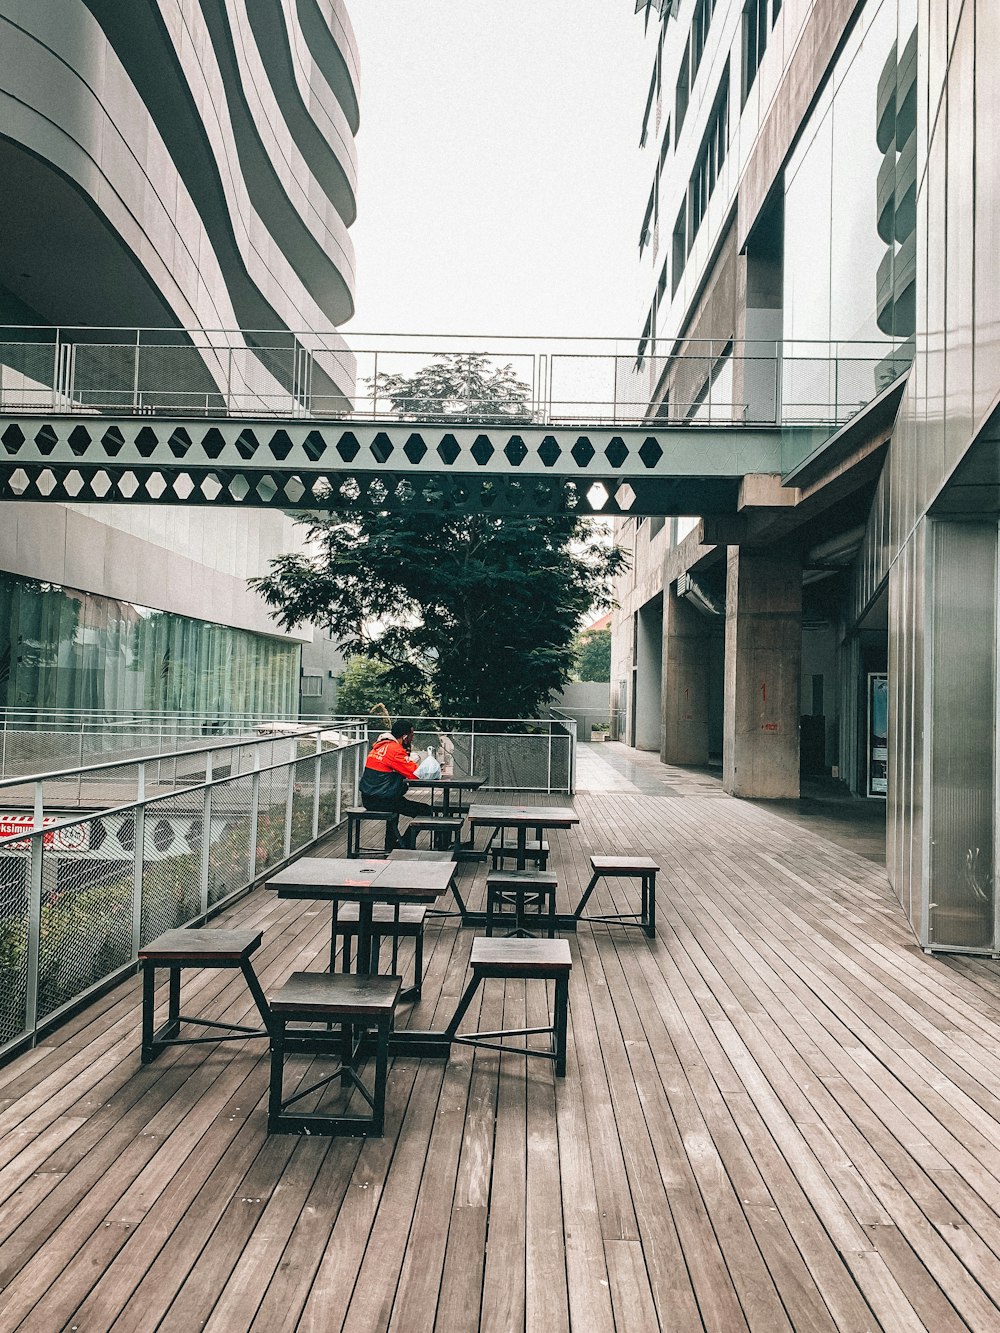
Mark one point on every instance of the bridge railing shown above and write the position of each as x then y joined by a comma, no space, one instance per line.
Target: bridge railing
551,381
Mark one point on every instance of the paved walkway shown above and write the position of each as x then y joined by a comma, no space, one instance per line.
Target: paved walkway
779,1114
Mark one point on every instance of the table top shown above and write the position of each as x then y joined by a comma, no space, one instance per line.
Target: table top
524,816
345,880
449,784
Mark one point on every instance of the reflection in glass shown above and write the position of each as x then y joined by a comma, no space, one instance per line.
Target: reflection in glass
60,648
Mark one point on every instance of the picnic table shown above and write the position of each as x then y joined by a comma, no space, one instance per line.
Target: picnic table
394,882
522,818
446,786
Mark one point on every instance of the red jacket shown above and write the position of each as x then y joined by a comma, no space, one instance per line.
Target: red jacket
387,770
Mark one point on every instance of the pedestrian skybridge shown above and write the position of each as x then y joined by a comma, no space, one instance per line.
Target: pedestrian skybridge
167,417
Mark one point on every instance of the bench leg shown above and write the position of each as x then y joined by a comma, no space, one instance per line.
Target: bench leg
649,908
462,1007
418,964
552,914
255,989
148,993
559,1024
381,1078
277,1075
346,1052
586,895
173,1026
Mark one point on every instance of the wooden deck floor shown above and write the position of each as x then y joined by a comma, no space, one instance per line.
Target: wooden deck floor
778,1114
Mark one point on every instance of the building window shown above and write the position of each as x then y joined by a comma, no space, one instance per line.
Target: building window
640,355
682,92
648,220
708,163
311,687
649,108
664,148
679,247
700,23
759,17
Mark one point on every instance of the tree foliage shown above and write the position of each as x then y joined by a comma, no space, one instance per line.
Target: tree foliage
593,655
463,387
364,685
471,615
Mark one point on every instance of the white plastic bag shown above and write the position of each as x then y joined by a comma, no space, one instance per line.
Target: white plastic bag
429,770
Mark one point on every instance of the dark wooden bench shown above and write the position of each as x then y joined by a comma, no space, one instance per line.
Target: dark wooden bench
642,868
357,817
522,901
353,1004
535,849
445,832
180,949
406,922
539,960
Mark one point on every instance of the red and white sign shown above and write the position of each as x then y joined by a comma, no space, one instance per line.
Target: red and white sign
75,838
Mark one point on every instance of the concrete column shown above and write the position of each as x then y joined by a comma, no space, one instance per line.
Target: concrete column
763,664
648,687
686,634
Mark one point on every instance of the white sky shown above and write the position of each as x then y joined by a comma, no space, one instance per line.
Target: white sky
501,184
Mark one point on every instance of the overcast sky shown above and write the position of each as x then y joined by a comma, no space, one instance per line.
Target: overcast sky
501,189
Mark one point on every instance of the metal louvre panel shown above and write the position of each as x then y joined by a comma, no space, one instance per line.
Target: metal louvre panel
962,751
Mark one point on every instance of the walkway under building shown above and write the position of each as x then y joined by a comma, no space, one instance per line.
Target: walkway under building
779,1113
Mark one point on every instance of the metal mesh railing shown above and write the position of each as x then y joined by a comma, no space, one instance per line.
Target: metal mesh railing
107,783
79,895
81,892
43,740
86,916
173,841
230,863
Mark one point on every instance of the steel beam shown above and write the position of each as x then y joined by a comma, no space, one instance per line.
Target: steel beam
506,466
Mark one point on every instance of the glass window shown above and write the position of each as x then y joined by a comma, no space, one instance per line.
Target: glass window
708,163
832,247
682,92
60,648
758,19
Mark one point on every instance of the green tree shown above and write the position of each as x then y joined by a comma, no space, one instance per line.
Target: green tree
463,386
471,615
364,685
593,655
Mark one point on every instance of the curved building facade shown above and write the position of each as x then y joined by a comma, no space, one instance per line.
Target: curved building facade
190,169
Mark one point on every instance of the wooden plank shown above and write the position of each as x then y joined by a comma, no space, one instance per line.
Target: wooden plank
503,1305
778,1112
546,1299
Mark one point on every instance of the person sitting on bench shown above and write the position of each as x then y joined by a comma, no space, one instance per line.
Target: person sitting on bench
388,769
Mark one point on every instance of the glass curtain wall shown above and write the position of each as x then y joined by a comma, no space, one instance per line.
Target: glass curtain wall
60,648
832,248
